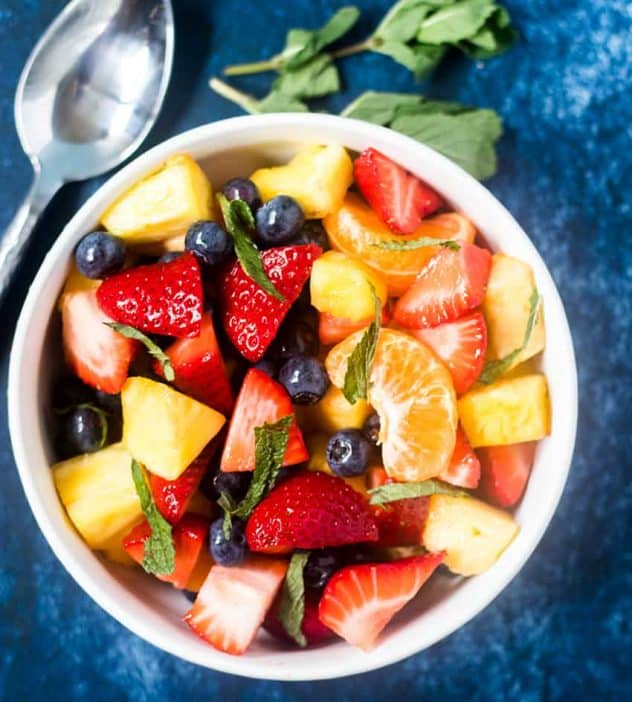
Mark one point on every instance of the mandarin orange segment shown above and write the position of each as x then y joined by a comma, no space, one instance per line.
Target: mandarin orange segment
414,397
355,229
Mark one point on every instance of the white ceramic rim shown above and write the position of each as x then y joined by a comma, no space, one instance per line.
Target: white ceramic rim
543,492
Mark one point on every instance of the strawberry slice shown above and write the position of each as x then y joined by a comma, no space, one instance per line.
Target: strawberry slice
172,497
360,600
313,629
310,510
461,345
161,298
332,330
233,602
95,353
189,538
465,468
505,471
399,198
250,315
261,400
450,284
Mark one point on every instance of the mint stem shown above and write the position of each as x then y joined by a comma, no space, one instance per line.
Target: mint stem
358,48
243,69
246,102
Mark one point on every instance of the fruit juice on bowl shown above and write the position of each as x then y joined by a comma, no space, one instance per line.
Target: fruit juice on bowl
292,400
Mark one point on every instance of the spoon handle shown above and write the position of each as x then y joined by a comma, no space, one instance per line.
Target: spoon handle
17,234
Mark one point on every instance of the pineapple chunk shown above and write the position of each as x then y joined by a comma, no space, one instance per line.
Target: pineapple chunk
472,533
164,429
506,308
113,550
98,493
317,177
333,412
508,411
317,446
341,286
162,205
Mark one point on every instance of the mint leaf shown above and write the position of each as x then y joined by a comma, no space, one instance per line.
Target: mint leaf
392,492
412,244
455,22
402,21
292,605
154,349
379,107
317,77
226,502
495,37
276,101
421,59
159,556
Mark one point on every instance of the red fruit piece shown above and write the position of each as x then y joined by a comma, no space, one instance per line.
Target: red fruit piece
310,510
232,603
399,198
95,353
162,298
250,315
261,400
313,629
189,538
360,600
461,345
505,471
332,330
465,468
450,284
172,497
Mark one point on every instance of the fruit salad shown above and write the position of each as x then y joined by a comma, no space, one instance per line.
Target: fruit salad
296,397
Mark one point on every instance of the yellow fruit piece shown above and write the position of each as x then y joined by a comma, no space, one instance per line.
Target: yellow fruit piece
333,412
472,533
98,493
162,205
113,550
200,571
164,429
317,445
506,308
414,397
341,286
317,177
508,411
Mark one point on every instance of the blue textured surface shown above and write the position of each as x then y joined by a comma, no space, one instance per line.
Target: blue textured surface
562,628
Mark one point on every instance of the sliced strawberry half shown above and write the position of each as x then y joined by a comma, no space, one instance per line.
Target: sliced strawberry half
332,330
189,538
505,471
250,315
233,602
399,198
450,284
461,345
310,510
261,400
313,629
360,600
161,298
95,353
172,497
465,468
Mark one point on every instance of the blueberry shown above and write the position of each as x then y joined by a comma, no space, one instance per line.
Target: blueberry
84,430
170,256
371,428
312,232
99,254
305,379
110,403
235,484
348,453
295,338
209,242
279,220
243,189
231,551
320,566
267,366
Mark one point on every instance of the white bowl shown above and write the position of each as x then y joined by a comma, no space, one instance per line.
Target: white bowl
153,610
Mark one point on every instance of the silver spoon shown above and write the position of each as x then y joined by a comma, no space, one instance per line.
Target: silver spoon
87,97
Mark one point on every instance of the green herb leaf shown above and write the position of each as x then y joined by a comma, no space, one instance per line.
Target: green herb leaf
455,22
159,556
380,108
421,59
226,502
238,224
422,242
278,102
495,369
154,349
495,37
402,491
292,605
317,77
402,21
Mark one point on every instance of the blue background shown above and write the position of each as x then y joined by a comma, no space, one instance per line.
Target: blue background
562,628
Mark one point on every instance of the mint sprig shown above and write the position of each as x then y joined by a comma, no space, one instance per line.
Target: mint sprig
292,605
153,349
421,243
392,492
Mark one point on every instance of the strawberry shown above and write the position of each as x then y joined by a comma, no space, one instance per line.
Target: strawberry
461,345
161,298
465,468
505,471
261,400
450,284
232,603
250,315
189,537
332,329
95,353
360,600
310,510
199,368
313,629
399,198
172,497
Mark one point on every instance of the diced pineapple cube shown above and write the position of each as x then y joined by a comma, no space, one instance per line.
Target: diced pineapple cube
472,533
506,308
317,177
113,550
162,205
317,446
508,411
98,493
333,412
164,429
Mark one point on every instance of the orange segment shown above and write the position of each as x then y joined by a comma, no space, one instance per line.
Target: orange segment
413,394
355,229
